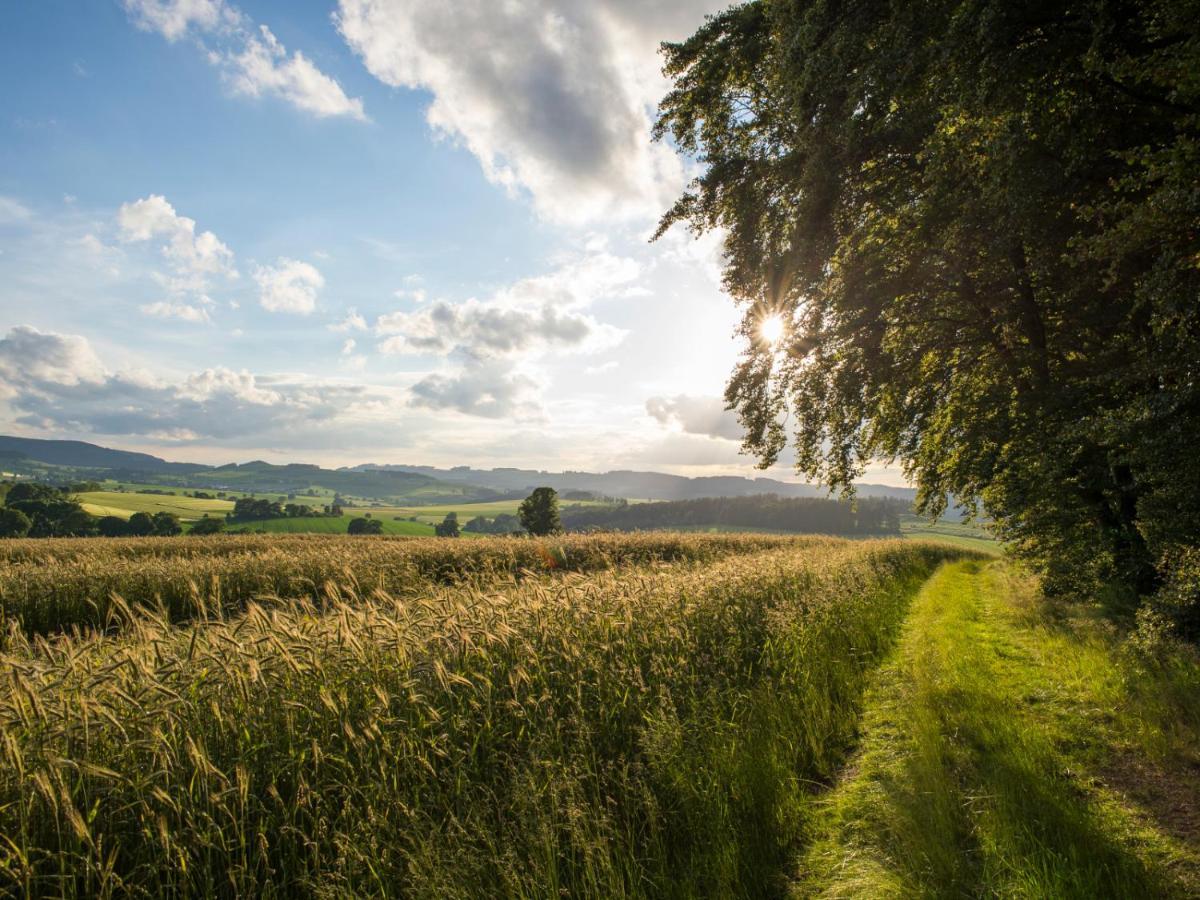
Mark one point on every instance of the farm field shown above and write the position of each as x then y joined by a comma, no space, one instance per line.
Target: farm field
124,504
322,495
964,534
428,733
637,715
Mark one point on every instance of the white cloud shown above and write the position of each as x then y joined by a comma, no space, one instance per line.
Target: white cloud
488,343
187,312
416,295
487,329
696,415
262,66
289,286
56,382
353,322
174,18
193,258
29,357
252,60
348,346
554,98
487,388
540,312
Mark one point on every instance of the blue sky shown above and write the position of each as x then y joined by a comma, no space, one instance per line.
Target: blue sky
366,230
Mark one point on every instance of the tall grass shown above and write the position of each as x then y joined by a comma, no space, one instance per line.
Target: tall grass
628,733
54,585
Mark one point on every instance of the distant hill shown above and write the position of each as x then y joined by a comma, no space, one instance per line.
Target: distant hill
78,454
640,485
74,460
60,461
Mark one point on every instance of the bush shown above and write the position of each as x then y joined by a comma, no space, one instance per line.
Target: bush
208,526
112,526
167,524
14,523
141,524
1177,602
364,526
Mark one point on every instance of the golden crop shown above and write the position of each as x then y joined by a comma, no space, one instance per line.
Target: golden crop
615,729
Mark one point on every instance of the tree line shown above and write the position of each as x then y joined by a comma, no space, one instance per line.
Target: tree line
871,516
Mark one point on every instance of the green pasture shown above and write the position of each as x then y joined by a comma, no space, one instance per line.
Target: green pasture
125,504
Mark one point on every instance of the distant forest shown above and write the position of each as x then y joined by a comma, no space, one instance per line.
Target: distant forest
768,511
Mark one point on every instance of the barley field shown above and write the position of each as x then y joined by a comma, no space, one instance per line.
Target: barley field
54,585
629,716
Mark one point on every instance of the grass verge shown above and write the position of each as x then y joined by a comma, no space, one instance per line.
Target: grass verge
1008,751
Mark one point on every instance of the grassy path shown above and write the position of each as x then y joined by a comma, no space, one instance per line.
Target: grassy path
1005,753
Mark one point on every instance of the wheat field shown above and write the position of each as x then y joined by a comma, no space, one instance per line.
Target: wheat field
616,717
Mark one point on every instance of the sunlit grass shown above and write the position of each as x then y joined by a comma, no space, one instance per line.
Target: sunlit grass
997,747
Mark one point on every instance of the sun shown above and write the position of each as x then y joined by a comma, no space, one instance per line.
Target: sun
771,329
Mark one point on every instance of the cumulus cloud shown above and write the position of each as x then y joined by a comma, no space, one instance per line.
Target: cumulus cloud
289,286
696,415
484,329
192,258
488,341
29,357
252,60
554,98
543,311
56,381
487,388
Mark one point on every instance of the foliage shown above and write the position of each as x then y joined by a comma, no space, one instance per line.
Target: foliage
141,524
1177,602
978,221
539,512
502,523
113,526
448,527
249,509
48,511
800,514
207,525
14,523
24,491
635,734
166,524
364,525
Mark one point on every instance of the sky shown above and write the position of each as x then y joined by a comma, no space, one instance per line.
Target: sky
387,231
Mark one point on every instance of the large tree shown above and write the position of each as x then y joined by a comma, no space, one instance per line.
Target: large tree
539,512
978,222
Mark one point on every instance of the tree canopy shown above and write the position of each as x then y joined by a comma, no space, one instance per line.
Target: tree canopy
539,512
979,224
448,527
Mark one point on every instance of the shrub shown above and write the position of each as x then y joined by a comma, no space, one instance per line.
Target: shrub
364,525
